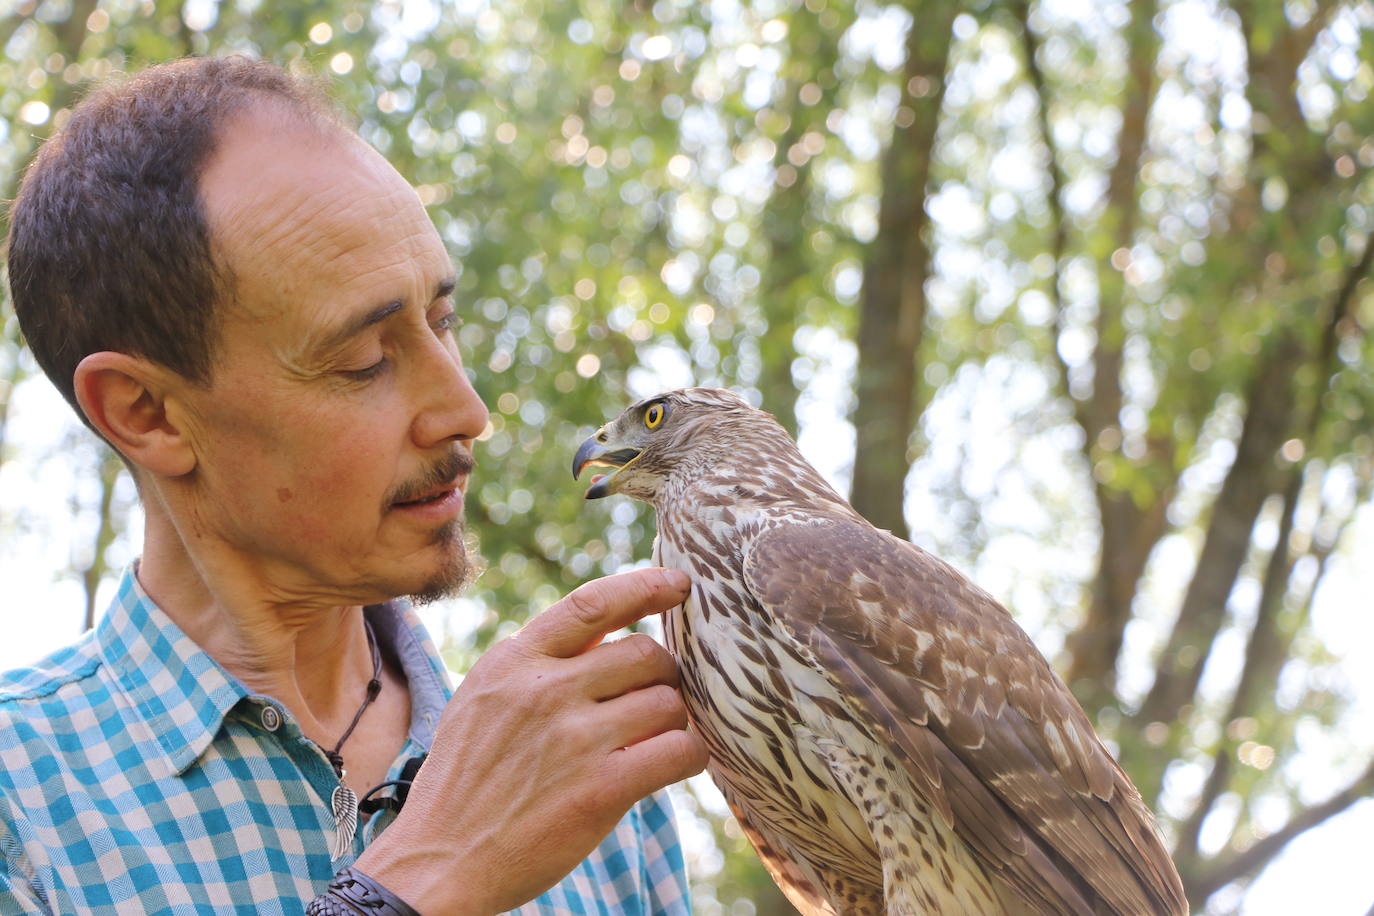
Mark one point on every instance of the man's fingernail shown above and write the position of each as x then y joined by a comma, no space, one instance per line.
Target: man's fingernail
676,578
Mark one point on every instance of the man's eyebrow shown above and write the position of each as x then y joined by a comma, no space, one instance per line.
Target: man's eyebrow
357,324
365,320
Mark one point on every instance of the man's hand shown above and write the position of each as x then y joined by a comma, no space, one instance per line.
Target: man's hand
551,738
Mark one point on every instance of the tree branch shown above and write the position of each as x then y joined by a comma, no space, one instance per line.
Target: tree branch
1270,415
1344,309
1274,55
1129,530
1104,406
1248,482
1267,651
1237,866
110,468
1263,655
1059,233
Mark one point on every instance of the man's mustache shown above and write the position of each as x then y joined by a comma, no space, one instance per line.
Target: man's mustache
456,462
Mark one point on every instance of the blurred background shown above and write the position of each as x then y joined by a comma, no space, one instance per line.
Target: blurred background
1072,293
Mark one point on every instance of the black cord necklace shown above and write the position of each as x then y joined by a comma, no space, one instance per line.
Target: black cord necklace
374,687
345,801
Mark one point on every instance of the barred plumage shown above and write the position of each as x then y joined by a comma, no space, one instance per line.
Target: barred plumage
888,737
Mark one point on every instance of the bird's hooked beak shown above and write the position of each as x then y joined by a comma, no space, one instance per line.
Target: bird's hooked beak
599,451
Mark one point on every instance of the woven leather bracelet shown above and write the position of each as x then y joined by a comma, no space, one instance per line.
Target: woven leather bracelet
352,893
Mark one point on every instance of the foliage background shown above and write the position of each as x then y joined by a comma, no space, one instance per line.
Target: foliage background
1072,293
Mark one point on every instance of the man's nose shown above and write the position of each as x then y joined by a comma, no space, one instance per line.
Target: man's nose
452,408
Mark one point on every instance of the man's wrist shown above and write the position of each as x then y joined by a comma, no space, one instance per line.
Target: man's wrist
429,879
353,893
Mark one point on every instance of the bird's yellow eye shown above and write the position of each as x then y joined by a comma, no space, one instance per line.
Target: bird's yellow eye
654,415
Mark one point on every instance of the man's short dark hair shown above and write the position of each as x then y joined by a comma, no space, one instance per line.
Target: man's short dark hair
109,248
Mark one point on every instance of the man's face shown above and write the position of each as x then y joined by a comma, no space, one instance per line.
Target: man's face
333,444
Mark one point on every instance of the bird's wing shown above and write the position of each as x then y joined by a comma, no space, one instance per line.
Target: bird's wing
990,735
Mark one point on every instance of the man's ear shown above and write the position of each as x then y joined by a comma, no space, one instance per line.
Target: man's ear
127,398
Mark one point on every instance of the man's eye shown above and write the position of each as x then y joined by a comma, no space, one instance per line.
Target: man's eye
365,374
447,322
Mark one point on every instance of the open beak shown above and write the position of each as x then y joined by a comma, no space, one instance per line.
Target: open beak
596,453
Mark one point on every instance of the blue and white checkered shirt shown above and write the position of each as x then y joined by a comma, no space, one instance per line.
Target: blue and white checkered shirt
137,776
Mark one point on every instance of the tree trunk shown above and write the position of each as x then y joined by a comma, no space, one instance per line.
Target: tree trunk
892,309
1249,482
789,270
1129,530
110,469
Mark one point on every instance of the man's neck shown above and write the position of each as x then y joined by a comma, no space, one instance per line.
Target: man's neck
309,655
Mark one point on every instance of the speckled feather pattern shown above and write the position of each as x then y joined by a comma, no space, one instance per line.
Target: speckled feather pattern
889,739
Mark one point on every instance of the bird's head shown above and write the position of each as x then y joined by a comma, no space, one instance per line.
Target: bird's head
663,434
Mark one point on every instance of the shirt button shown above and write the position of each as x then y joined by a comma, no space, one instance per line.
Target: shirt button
271,718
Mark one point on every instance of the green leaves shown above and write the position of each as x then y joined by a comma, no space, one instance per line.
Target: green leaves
646,195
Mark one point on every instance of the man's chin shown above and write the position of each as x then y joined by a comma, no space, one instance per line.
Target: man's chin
458,565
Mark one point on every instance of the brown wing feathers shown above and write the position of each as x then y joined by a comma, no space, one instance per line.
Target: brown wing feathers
993,738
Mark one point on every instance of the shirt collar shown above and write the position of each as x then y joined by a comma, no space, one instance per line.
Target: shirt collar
398,627
183,694
173,684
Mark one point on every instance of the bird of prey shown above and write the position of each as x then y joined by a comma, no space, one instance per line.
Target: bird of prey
887,736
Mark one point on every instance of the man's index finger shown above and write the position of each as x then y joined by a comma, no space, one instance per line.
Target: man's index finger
580,619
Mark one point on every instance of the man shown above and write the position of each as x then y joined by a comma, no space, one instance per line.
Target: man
253,308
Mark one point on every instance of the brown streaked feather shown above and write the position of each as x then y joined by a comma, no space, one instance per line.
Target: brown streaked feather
989,732
795,886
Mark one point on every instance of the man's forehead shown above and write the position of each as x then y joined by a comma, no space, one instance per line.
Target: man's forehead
268,186
302,211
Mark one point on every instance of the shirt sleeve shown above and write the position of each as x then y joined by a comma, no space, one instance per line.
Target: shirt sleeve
17,895
665,865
